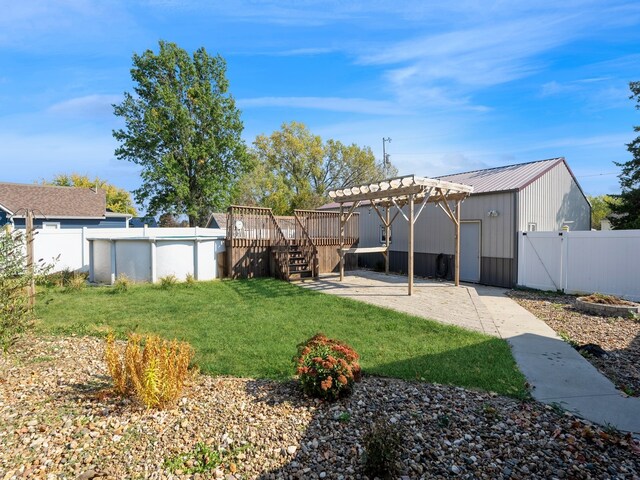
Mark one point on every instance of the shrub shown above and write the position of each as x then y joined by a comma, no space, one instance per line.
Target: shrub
326,368
121,284
76,282
16,312
382,445
153,373
168,281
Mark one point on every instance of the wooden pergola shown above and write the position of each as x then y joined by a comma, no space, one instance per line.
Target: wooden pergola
397,193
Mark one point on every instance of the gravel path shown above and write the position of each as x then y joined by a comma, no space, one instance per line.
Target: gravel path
618,336
58,420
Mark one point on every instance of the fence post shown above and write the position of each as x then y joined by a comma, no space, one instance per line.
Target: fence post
84,245
113,261
564,260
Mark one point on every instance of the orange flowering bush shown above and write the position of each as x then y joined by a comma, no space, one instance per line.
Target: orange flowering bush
326,368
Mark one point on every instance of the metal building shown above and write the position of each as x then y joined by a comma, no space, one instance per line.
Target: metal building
542,196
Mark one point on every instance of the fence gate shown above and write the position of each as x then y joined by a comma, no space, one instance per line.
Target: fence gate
540,260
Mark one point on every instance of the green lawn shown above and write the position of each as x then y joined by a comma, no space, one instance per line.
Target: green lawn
250,328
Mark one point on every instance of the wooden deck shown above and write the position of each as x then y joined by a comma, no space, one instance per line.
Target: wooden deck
260,244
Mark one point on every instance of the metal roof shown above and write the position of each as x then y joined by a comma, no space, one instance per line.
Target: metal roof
507,178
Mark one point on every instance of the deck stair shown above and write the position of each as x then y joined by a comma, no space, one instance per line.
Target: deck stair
299,266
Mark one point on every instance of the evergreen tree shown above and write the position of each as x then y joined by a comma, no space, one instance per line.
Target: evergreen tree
627,209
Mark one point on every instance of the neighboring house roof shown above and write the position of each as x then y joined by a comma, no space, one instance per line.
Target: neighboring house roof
52,202
142,221
217,220
499,179
507,178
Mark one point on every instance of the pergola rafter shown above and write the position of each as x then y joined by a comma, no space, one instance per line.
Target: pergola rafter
397,193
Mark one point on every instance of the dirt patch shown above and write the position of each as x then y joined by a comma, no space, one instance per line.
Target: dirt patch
608,300
619,337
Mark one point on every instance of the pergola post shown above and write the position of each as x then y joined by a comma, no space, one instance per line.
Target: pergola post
410,269
341,242
457,265
387,235
400,192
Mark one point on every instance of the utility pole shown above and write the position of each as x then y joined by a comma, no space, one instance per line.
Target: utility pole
385,155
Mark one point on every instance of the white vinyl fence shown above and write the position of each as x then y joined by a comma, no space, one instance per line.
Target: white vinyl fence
605,262
70,248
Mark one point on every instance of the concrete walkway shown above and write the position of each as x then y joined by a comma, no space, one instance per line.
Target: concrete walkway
557,373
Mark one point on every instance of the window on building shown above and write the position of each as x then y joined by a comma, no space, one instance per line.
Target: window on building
50,225
532,227
383,238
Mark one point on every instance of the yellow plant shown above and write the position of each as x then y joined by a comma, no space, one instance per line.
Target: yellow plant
154,373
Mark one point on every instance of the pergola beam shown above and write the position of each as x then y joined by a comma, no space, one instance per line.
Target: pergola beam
399,192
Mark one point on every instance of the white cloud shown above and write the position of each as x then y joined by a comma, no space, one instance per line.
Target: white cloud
66,25
89,106
335,104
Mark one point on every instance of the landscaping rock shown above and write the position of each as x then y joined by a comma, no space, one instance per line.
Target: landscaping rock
255,421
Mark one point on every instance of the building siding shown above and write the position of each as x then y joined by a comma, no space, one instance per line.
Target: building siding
434,231
498,272
552,200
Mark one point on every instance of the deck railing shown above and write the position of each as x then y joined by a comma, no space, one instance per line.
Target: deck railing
324,227
250,225
256,226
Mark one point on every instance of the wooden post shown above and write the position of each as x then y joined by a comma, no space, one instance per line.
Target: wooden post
341,242
387,234
31,290
457,222
410,270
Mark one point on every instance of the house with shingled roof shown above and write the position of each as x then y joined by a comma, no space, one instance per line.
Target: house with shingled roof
537,196
57,207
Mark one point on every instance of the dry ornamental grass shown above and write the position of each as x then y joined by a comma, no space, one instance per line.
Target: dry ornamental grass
154,373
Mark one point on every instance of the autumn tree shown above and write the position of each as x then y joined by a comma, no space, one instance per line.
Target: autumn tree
293,168
118,199
183,128
600,209
627,209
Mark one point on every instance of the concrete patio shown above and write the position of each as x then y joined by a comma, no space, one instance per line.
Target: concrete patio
557,373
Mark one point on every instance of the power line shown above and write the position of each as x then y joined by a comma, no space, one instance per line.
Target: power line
598,174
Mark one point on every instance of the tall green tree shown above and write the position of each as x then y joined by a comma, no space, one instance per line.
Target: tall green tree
627,209
293,168
600,209
183,128
118,199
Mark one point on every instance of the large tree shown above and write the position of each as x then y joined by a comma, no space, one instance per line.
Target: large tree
183,128
293,168
627,209
600,209
118,199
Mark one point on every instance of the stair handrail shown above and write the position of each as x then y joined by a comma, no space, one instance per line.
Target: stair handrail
308,246
280,248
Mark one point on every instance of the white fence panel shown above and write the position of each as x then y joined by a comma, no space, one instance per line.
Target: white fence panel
71,245
65,245
539,260
606,262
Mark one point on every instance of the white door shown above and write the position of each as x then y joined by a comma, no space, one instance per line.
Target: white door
470,251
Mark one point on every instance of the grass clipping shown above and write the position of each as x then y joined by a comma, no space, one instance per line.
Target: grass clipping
154,372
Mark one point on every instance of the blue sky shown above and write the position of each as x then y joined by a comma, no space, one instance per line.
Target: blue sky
457,85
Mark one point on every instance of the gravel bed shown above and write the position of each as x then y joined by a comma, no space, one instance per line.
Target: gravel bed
618,336
58,420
